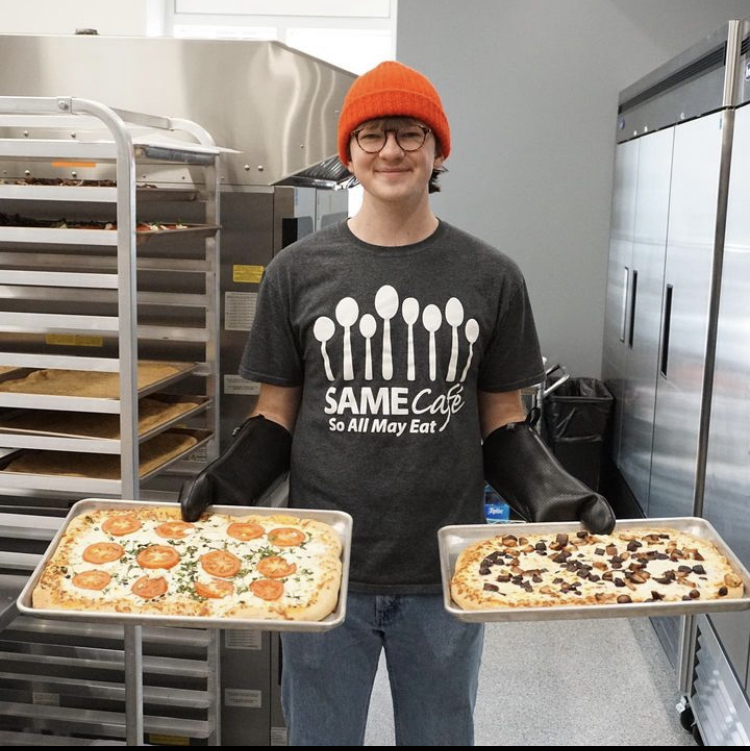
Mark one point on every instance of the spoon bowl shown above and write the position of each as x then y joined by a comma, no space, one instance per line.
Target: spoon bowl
454,312
347,312
432,318
410,311
323,329
367,326
386,302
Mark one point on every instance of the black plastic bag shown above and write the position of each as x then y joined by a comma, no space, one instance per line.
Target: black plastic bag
575,420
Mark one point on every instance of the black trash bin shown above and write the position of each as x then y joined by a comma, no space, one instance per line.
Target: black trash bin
574,423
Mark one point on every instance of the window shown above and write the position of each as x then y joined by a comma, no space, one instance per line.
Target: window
355,36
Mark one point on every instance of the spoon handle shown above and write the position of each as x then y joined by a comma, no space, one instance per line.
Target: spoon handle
387,355
326,361
453,362
410,374
468,362
368,360
433,357
348,367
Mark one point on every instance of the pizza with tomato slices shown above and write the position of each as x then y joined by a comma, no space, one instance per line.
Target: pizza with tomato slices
147,560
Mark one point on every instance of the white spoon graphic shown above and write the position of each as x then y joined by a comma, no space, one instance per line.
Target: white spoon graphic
323,331
472,334
431,320
367,327
454,315
386,305
347,312
410,312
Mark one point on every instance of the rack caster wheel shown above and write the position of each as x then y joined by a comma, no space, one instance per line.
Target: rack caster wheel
697,737
687,719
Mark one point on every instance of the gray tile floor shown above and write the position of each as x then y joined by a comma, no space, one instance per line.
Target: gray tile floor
577,683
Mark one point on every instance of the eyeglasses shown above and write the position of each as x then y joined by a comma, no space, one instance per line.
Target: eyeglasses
408,138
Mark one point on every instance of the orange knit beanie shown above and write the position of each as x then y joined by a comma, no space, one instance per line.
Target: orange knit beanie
391,90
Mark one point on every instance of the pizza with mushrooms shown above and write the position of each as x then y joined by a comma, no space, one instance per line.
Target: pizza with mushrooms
146,560
631,566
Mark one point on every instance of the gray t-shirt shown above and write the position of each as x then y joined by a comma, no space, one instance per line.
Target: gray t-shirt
390,345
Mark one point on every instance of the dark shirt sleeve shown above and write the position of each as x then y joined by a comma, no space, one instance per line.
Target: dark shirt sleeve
513,359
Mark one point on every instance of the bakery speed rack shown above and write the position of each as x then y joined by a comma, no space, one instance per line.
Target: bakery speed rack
101,274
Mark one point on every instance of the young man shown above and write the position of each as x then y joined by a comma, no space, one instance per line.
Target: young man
390,346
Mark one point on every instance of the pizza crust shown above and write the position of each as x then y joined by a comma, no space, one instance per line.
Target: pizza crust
152,454
85,383
632,566
151,414
309,594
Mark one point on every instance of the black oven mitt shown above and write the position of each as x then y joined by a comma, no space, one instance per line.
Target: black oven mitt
520,466
259,454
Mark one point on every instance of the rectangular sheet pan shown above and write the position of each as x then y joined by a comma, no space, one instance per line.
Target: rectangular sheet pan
453,539
341,522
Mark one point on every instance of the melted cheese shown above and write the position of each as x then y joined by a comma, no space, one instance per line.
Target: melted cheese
208,535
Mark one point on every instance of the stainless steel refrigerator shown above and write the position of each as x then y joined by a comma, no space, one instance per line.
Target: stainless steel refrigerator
677,313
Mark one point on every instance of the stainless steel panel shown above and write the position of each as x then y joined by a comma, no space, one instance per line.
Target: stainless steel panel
720,708
743,64
620,254
642,335
452,540
689,85
277,106
726,495
690,249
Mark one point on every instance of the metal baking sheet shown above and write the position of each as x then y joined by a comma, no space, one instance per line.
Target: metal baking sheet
188,230
341,523
9,428
453,539
107,404
84,485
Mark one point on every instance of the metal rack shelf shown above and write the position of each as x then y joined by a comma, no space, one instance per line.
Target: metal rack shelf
85,486
64,291
88,194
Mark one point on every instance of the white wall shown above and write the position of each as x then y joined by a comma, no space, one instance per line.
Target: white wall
530,88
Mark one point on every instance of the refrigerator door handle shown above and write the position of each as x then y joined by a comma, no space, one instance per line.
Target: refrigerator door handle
625,296
633,293
664,360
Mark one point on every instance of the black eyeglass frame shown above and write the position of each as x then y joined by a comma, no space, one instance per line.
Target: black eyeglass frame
426,130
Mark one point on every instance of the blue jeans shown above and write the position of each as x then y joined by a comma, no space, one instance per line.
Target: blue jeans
433,667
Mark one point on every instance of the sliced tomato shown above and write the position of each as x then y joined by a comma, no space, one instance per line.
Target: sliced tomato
148,587
245,531
94,579
286,537
103,552
267,589
216,589
158,556
276,567
176,530
220,563
124,524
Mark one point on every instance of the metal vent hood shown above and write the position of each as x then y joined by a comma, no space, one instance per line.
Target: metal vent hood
711,75
275,105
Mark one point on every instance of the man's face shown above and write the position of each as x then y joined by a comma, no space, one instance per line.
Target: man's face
394,172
